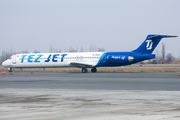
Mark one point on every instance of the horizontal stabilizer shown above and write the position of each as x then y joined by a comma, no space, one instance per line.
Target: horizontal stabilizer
162,36
167,36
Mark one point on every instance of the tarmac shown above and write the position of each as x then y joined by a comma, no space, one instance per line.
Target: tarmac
89,96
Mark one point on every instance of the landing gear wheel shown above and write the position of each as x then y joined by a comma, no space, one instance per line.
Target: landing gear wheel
93,70
10,69
84,70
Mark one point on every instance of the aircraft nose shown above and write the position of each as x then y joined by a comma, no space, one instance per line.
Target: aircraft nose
4,64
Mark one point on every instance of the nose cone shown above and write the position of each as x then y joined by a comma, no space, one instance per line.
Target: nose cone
4,64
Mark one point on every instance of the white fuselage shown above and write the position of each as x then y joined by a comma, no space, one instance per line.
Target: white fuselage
45,60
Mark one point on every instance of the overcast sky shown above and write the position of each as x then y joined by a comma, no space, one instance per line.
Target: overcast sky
116,25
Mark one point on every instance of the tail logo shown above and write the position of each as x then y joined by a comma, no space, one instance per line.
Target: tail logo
149,44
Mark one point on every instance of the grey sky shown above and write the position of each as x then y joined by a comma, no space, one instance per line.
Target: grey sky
116,25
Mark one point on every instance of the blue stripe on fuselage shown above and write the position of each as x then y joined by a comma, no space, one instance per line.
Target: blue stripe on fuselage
138,57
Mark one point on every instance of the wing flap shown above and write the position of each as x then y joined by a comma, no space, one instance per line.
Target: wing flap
81,65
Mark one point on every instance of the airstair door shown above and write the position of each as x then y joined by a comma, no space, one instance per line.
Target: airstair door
14,59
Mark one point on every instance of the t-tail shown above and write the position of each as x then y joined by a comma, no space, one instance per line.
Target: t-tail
148,46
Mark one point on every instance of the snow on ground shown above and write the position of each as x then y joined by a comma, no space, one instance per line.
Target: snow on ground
58,104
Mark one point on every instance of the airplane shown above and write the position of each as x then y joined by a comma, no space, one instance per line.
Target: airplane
86,60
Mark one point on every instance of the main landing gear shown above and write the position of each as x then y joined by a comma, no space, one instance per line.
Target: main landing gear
93,70
84,70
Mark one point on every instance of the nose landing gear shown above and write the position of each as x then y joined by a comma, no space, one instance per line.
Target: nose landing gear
10,69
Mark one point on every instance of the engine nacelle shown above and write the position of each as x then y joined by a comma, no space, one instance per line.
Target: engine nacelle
120,58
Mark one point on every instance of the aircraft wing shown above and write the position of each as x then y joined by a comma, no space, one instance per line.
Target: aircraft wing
81,65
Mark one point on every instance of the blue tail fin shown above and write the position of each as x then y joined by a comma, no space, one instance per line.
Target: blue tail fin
148,46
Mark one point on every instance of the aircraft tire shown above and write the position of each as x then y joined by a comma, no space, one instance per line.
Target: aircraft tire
93,70
84,70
